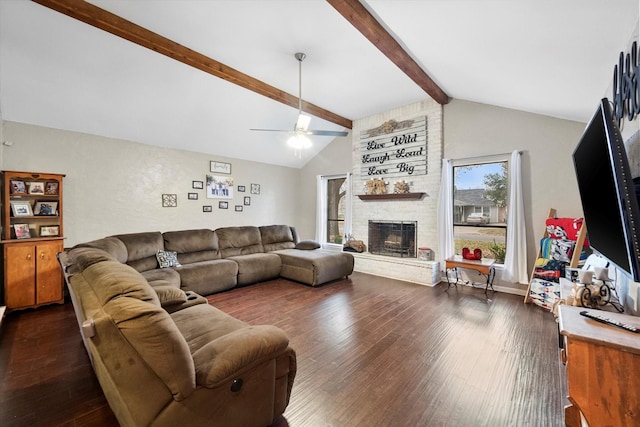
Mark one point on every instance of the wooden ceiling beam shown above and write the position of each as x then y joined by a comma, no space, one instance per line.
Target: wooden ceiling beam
354,12
114,24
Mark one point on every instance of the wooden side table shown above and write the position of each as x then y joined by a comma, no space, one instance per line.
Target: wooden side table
484,266
603,367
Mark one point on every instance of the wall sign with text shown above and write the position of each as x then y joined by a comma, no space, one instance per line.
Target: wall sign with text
394,149
626,85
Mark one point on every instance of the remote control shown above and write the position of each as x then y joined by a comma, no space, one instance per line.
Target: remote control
602,319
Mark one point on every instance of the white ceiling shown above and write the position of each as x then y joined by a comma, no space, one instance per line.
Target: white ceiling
551,57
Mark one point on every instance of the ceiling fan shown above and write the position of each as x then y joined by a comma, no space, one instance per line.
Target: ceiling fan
301,129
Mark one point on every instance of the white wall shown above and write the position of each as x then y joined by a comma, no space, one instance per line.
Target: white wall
334,159
473,129
114,186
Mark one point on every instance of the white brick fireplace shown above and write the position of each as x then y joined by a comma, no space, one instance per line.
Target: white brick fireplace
422,211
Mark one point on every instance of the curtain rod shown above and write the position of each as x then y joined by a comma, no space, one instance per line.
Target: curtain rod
486,158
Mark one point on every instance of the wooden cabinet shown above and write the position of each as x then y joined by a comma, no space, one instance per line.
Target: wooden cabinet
603,367
32,236
32,275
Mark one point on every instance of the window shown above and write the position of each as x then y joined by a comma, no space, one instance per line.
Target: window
480,191
334,218
336,191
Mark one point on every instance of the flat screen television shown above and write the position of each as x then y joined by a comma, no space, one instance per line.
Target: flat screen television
609,200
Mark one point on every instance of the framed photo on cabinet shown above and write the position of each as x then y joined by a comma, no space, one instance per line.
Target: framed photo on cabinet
45,208
21,208
18,187
22,231
35,187
51,188
49,231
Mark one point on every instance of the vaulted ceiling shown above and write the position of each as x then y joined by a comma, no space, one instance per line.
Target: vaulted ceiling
547,57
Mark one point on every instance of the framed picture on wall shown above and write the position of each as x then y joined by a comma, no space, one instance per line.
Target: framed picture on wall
207,208
223,205
192,196
220,167
255,188
198,185
238,208
241,188
247,200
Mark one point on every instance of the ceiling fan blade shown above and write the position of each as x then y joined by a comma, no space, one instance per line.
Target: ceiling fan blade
274,130
326,132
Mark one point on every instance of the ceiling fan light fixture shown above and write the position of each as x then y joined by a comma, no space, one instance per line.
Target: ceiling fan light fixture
299,141
303,122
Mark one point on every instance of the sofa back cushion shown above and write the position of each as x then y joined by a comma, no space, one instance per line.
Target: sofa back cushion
112,245
155,337
111,280
192,245
236,241
276,237
142,249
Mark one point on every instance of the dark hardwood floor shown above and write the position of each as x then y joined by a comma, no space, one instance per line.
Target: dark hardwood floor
371,352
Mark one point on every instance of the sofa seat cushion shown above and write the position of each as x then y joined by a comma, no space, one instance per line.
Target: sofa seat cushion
257,267
162,276
203,323
315,267
208,277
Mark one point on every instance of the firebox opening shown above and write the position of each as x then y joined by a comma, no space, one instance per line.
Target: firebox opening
393,238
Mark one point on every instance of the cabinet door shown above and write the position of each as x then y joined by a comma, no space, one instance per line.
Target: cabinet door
20,281
48,274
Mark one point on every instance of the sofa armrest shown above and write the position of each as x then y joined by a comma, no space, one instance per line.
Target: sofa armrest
229,354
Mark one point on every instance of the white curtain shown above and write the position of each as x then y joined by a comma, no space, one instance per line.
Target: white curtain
321,210
445,213
347,207
515,261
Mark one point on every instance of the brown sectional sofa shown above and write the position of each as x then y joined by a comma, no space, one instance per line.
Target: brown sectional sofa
216,260
162,354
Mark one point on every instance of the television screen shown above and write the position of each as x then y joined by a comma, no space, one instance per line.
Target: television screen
609,201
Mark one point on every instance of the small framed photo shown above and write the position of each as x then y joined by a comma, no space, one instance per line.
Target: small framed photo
247,201
223,205
207,208
241,189
35,187
192,196
198,185
18,187
51,188
220,167
238,208
169,200
255,188
45,208
49,230
22,231
21,208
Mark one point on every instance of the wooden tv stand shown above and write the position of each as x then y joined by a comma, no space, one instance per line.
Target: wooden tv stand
603,368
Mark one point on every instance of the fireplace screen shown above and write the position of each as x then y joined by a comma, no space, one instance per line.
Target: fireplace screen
393,238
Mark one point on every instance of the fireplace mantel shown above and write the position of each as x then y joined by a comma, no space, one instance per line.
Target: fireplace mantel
392,196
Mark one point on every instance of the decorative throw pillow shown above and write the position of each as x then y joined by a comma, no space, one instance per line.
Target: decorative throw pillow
167,259
307,245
